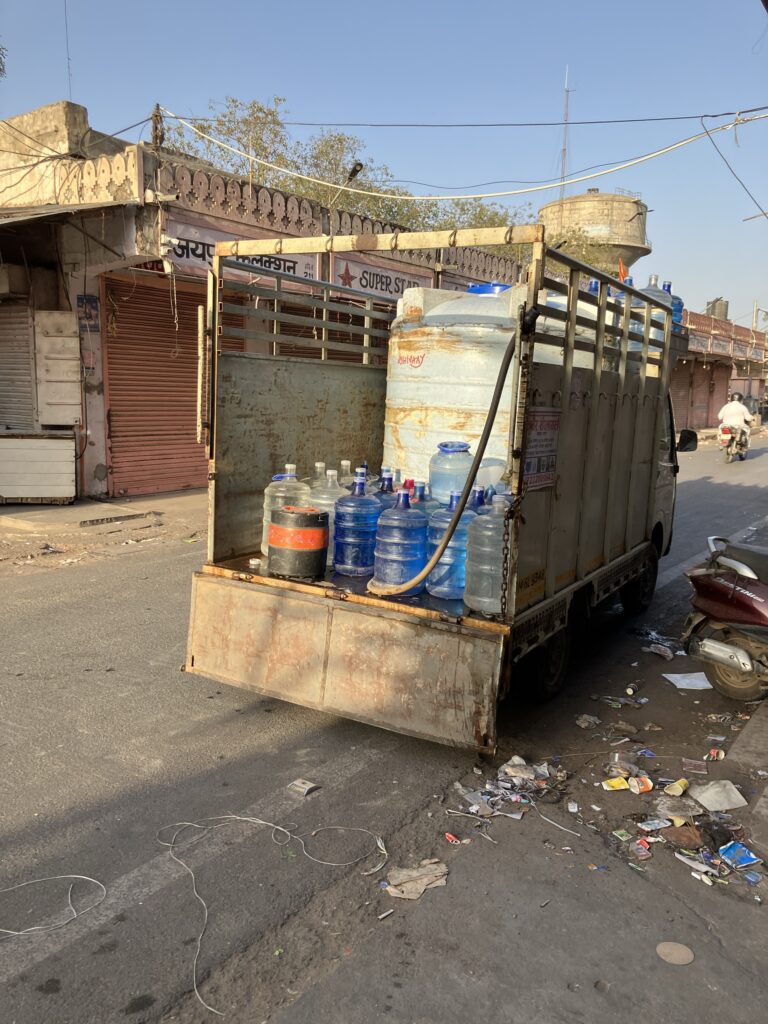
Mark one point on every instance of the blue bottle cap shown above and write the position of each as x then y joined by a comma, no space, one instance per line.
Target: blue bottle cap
455,499
487,288
403,500
453,446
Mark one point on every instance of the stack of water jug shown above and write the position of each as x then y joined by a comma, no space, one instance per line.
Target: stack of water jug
389,529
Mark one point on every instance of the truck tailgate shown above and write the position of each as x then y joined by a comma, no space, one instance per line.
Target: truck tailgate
379,664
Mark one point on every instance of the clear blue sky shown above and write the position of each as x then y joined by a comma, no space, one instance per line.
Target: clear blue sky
430,61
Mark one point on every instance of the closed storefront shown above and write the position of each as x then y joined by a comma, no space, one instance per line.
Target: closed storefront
721,377
699,414
680,392
151,386
17,389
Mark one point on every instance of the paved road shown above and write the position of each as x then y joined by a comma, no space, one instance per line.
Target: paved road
106,742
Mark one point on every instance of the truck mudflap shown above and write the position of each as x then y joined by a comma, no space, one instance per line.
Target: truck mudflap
378,664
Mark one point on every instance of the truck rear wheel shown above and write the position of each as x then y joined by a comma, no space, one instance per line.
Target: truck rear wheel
636,596
543,673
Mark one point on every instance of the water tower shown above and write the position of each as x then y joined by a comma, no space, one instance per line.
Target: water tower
612,220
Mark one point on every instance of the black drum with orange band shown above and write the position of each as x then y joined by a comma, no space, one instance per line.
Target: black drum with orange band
298,543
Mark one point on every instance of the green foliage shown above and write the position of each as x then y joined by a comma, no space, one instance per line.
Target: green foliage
260,129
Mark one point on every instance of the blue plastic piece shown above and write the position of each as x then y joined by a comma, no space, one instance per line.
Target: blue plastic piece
401,544
421,499
476,501
677,303
355,523
487,288
448,578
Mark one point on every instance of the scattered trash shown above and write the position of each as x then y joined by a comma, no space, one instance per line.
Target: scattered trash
661,650
645,752
620,765
675,953
676,788
624,727
720,795
686,836
573,807
411,883
632,688
691,767
652,727
640,784
545,904
477,771
386,914
681,807
736,855
587,721
725,717
614,784
597,867
752,877
452,839
641,849
690,681
694,864
636,867
302,787
653,824
622,834
702,878
714,754
713,738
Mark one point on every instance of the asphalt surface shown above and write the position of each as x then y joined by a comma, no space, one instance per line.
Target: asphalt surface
105,742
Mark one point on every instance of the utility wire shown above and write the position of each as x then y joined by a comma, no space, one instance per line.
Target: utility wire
482,195
733,172
501,124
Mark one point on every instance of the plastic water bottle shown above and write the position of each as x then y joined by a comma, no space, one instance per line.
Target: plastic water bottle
476,501
325,498
485,547
346,479
421,499
401,544
447,578
318,477
386,492
448,469
677,303
285,489
356,519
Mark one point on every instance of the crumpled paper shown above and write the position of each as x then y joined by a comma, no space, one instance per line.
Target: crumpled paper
411,883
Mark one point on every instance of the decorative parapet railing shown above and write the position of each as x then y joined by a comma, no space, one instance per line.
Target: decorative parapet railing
104,179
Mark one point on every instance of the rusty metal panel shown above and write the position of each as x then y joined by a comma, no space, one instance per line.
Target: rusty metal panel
273,410
434,681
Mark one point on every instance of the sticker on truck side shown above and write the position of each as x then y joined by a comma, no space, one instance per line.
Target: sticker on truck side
543,430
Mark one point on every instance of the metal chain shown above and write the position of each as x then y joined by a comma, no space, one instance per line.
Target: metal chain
509,515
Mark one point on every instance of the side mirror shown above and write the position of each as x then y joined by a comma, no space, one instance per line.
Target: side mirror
688,442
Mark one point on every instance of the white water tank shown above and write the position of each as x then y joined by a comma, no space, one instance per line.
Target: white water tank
445,351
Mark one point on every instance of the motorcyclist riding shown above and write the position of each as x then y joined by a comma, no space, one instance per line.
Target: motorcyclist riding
735,414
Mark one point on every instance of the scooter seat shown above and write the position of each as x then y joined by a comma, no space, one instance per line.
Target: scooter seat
755,558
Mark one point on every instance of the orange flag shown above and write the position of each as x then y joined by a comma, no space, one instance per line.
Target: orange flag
622,271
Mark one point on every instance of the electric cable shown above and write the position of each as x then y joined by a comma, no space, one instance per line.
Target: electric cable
482,195
730,168
501,124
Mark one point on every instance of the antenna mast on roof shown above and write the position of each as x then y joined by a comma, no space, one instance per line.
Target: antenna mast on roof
564,151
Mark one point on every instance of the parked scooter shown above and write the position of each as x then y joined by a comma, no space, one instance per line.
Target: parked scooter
732,441
728,627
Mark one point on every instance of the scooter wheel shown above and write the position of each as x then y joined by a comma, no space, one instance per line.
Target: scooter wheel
742,456
728,455
728,681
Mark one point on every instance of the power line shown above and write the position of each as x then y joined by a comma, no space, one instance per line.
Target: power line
483,195
496,124
727,164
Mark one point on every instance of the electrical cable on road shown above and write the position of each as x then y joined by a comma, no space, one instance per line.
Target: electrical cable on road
481,195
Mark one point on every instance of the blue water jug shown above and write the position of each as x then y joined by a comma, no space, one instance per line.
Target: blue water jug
476,501
448,469
386,492
448,577
355,523
677,303
401,544
421,500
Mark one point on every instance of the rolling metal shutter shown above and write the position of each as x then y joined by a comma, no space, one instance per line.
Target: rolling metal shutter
721,374
680,393
152,389
17,402
700,396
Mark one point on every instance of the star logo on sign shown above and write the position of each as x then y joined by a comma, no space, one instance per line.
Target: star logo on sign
347,277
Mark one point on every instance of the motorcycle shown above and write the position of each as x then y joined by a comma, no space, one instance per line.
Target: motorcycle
728,626
732,441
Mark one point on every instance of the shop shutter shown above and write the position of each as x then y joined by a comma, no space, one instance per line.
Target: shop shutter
721,375
151,371
699,414
17,403
680,393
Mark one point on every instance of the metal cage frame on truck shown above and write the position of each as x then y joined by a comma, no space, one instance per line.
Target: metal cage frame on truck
325,645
